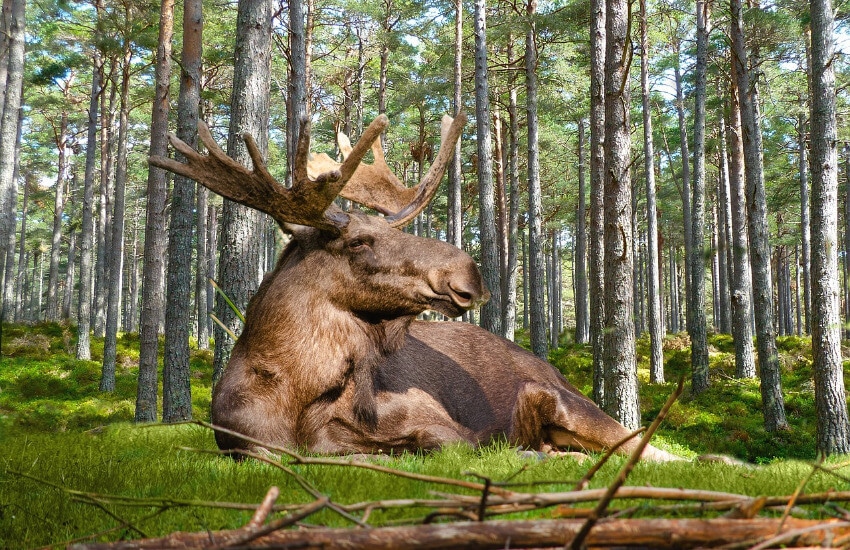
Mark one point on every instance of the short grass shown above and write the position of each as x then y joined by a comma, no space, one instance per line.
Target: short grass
57,427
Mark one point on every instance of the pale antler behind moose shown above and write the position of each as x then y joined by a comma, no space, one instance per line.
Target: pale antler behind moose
317,179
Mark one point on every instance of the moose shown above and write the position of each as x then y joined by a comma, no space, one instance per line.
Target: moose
332,359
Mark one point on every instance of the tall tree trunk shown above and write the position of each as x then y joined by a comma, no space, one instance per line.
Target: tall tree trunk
536,238
61,140
699,339
686,179
742,334
455,214
771,387
656,333
241,227
87,230
596,235
621,395
104,226
297,85
155,236
582,334
22,258
201,276
116,253
830,397
491,312
70,274
724,234
9,129
501,207
176,375
510,304
805,228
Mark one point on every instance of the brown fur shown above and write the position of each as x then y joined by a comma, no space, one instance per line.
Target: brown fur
332,361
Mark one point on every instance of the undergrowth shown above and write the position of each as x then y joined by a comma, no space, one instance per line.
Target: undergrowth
56,427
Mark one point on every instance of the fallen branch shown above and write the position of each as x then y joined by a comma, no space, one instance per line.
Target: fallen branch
653,533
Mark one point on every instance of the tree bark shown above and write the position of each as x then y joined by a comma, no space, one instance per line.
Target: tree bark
297,85
536,238
699,339
656,332
771,388
805,227
62,167
176,374
830,396
646,533
596,263
455,214
116,254
491,312
686,179
582,334
621,396
155,236
510,303
241,227
87,230
742,333
9,129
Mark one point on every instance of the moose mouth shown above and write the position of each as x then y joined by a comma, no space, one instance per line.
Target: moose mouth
455,302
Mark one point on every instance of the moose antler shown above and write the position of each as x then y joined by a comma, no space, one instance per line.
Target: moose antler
375,185
307,202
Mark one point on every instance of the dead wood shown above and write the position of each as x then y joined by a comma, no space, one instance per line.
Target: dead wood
652,533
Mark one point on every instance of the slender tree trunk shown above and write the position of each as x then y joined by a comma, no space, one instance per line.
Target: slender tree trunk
58,211
805,228
176,374
723,252
22,258
87,230
297,85
525,298
582,334
597,193
155,235
536,238
70,274
491,312
510,303
201,284
501,208
656,333
686,180
699,339
621,396
742,334
9,129
104,227
116,255
455,214
830,396
241,227
771,388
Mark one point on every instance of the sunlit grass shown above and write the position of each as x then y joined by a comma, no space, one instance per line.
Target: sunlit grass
56,426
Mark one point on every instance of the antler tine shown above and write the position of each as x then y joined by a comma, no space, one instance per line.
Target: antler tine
449,133
304,205
366,141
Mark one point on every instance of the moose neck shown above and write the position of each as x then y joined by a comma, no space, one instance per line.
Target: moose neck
298,318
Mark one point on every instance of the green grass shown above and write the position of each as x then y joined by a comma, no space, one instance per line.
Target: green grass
57,427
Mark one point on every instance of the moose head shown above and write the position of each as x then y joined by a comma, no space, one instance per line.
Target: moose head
331,358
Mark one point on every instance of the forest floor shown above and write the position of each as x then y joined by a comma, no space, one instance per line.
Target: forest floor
72,464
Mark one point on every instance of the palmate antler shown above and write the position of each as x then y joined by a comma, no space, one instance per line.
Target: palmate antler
316,181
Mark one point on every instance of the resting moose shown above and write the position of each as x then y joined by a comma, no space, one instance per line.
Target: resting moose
331,358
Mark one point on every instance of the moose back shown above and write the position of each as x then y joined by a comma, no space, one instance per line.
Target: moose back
331,358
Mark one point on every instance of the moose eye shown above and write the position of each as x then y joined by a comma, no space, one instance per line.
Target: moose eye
357,244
